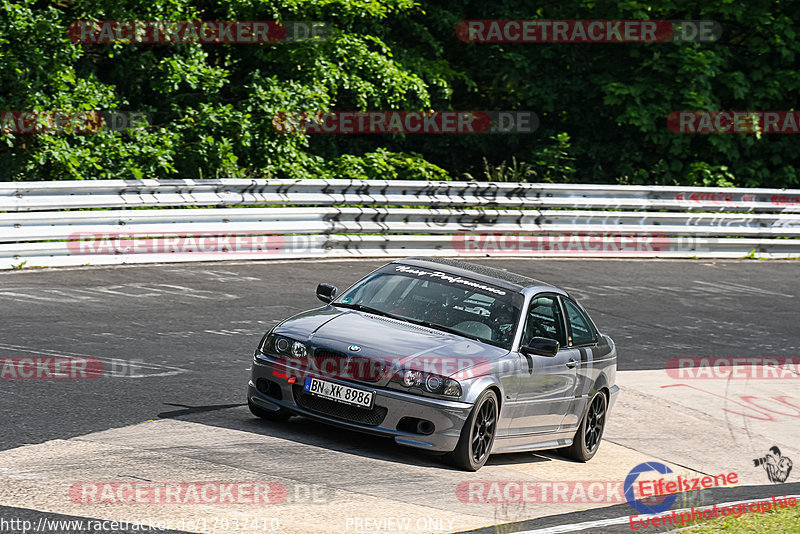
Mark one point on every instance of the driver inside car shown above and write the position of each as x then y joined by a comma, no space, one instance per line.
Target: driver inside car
503,322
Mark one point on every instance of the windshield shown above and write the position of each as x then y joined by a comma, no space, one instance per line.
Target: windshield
439,300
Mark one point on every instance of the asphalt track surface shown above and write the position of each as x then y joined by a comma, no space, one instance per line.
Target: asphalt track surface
187,333
205,320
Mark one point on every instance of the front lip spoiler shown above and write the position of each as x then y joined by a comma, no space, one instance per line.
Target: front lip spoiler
262,402
406,438
413,443
271,404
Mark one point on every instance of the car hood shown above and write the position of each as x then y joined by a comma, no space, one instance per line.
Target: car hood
398,343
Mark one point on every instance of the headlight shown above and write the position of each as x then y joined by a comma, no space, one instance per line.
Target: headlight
298,350
431,383
283,346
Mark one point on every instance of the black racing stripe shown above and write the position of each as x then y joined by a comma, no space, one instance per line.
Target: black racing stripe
586,362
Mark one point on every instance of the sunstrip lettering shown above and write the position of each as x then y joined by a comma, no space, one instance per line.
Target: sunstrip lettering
449,278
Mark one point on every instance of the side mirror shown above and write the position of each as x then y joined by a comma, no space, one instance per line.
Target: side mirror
326,293
541,346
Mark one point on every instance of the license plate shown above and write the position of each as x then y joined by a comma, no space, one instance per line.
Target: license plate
339,392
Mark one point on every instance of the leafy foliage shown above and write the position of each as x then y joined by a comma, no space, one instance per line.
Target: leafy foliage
602,107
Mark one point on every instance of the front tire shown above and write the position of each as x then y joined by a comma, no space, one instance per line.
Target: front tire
590,432
281,415
477,436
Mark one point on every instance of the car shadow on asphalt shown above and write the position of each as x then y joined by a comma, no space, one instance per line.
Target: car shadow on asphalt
515,458
309,432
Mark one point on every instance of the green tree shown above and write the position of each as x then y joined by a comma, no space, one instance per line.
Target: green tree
602,107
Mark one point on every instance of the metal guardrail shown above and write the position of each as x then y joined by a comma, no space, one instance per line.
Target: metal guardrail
60,223
32,196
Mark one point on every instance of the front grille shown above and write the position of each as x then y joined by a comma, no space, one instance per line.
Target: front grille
337,410
359,368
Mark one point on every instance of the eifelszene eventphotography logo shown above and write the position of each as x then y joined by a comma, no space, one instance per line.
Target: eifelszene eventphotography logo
651,505
658,494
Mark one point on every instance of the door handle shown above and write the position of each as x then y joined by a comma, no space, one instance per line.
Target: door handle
571,363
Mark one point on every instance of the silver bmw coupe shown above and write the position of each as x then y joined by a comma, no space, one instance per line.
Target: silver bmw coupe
446,356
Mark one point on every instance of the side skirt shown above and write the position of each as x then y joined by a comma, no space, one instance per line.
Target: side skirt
509,444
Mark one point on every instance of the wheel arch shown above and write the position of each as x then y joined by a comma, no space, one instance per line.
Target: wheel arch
499,394
477,388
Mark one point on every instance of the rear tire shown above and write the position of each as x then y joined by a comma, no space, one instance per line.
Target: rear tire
477,436
590,432
281,415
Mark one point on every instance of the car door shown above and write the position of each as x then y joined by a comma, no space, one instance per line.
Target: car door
582,339
545,384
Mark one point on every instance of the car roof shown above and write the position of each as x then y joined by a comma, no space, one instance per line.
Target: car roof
499,277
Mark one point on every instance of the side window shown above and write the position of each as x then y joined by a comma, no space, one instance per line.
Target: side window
583,332
543,319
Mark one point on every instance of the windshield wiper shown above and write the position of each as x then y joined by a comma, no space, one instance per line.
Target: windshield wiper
366,309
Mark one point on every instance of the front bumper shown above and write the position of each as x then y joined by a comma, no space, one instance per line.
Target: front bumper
271,391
